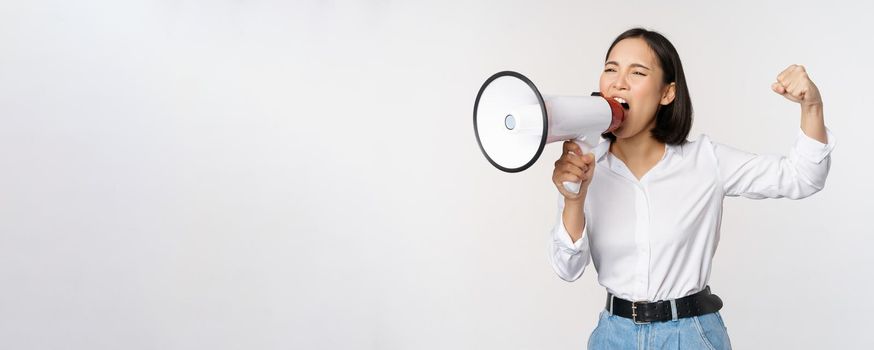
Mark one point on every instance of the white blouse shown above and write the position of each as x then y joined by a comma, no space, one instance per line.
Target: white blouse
654,239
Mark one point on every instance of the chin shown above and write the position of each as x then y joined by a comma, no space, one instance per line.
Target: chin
619,133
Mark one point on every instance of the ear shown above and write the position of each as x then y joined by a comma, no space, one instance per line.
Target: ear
669,94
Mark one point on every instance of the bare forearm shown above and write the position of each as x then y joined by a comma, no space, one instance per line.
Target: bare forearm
574,218
813,122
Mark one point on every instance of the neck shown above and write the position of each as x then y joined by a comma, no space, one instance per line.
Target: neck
640,147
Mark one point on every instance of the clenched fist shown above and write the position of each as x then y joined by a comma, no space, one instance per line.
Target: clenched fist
794,84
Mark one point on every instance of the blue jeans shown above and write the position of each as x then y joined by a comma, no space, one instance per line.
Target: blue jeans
700,332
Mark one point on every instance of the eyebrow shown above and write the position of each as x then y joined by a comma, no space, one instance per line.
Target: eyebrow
631,65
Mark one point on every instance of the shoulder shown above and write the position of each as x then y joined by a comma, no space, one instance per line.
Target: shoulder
714,152
702,139
703,145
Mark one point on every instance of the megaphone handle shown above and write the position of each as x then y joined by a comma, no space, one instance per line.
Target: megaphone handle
574,187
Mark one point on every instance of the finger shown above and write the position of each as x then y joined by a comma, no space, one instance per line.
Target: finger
572,169
570,158
568,177
566,170
570,146
778,88
782,76
791,73
798,88
562,177
590,172
791,90
786,74
588,158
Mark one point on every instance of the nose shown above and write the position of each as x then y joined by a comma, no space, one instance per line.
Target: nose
620,83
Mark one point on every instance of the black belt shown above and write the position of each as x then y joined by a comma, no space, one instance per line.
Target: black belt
643,312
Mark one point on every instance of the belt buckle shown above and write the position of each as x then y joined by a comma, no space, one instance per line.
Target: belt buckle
634,312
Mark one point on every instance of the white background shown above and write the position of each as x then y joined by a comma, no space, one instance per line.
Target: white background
304,175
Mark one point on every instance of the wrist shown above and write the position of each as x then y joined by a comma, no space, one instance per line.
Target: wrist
811,108
811,114
813,122
577,202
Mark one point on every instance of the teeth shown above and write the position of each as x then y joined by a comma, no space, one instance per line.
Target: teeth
620,100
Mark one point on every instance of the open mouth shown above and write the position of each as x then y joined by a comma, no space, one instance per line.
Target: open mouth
622,102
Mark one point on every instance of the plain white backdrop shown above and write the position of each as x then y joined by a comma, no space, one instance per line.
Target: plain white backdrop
258,174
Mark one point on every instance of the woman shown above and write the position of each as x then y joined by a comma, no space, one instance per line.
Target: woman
649,217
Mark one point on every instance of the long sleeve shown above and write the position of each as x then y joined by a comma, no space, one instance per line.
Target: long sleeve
800,174
568,259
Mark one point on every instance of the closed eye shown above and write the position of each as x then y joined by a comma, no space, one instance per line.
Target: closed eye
609,70
639,73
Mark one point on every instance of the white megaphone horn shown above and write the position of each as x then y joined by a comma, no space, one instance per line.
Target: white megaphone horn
513,121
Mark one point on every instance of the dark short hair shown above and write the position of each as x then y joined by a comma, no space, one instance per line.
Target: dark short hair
674,120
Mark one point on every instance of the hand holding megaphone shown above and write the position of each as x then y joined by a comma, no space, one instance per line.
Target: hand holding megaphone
573,171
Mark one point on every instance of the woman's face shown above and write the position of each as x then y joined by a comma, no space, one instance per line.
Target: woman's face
632,73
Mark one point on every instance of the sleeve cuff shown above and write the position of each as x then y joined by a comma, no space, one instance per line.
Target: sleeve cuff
563,239
813,150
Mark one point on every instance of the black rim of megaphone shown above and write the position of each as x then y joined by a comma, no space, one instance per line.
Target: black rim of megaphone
542,108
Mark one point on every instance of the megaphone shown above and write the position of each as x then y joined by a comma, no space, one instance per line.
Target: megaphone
513,121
